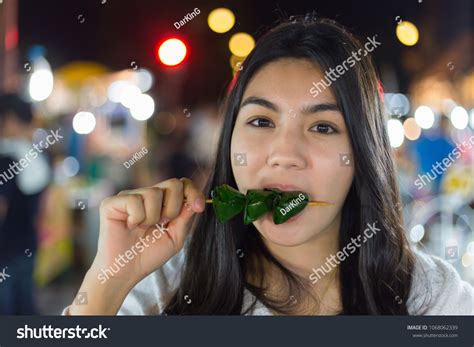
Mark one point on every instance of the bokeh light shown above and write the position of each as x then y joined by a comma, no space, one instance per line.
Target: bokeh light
236,62
412,130
398,104
41,84
144,80
459,117
407,33
417,233
395,132
172,52
143,107
221,20
241,44
83,123
424,117
129,95
115,90
467,260
70,166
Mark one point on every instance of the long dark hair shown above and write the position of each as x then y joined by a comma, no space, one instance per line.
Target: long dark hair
376,279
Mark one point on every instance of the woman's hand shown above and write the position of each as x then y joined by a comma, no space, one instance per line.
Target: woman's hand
140,230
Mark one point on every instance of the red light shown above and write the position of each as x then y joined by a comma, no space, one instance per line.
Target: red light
11,39
172,52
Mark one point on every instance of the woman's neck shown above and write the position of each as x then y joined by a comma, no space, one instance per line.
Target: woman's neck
302,259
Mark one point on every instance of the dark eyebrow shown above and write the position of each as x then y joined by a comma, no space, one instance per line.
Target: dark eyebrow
261,102
328,106
320,108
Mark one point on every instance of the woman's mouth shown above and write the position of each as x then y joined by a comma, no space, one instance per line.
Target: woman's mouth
269,216
283,187
287,188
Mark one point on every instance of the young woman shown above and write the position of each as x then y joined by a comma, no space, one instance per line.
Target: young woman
298,126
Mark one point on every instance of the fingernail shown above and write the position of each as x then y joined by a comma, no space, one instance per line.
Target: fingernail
199,203
163,220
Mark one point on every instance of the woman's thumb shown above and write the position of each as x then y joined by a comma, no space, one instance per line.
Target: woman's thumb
187,212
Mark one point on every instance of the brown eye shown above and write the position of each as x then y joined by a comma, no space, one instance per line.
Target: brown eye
261,123
324,128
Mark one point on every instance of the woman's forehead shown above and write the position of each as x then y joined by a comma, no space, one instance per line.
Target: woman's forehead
288,79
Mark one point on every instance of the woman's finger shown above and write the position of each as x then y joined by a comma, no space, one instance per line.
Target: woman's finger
152,201
193,196
127,208
172,198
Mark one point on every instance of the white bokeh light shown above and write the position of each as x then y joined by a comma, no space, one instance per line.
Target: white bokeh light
130,95
424,117
398,105
115,90
417,233
83,123
41,84
459,117
144,80
143,107
396,133
172,52
70,167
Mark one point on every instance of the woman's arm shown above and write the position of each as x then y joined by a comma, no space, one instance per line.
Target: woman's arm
133,241
95,298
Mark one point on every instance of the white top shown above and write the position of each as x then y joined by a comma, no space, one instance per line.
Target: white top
449,294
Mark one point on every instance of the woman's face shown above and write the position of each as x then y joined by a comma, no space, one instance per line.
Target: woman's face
288,139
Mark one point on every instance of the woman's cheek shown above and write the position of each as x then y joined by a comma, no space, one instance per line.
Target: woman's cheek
244,159
334,174
340,181
345,174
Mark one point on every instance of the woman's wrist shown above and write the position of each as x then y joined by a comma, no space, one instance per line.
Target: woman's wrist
99,298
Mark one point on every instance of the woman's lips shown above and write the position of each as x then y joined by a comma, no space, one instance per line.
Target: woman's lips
283,187
269,216
288,188
294,218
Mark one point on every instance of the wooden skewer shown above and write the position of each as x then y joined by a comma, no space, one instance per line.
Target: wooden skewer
310,203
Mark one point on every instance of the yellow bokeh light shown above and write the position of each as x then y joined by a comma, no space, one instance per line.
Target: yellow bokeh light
407,33
236,63
221,20
241,44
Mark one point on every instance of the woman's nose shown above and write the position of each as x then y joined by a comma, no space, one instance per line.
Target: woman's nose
287,150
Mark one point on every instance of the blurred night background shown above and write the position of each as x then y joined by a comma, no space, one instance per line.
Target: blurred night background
91,69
